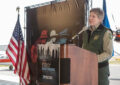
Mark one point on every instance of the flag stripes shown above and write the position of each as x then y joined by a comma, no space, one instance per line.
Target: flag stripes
16,51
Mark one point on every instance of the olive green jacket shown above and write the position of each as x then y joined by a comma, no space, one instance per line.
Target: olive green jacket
100,42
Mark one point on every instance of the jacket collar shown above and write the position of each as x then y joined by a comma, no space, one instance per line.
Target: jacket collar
97,28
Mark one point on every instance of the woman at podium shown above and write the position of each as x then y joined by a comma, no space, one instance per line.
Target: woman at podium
98,39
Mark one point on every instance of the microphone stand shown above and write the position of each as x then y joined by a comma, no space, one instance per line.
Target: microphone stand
78,35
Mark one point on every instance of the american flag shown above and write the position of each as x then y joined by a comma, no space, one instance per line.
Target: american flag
16,51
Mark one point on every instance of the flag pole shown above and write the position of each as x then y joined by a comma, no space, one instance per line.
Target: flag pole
25,25
18,10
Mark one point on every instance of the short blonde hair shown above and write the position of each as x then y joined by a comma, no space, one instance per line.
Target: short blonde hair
99,12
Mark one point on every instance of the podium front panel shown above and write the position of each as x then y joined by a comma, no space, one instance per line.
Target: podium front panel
83,65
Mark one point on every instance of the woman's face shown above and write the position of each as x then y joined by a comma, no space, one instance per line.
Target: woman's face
94,20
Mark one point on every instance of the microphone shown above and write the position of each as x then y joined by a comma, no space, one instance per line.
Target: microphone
83,29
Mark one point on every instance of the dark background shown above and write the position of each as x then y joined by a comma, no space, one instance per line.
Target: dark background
69,14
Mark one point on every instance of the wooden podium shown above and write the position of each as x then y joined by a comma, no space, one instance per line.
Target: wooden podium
83,65
75,66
